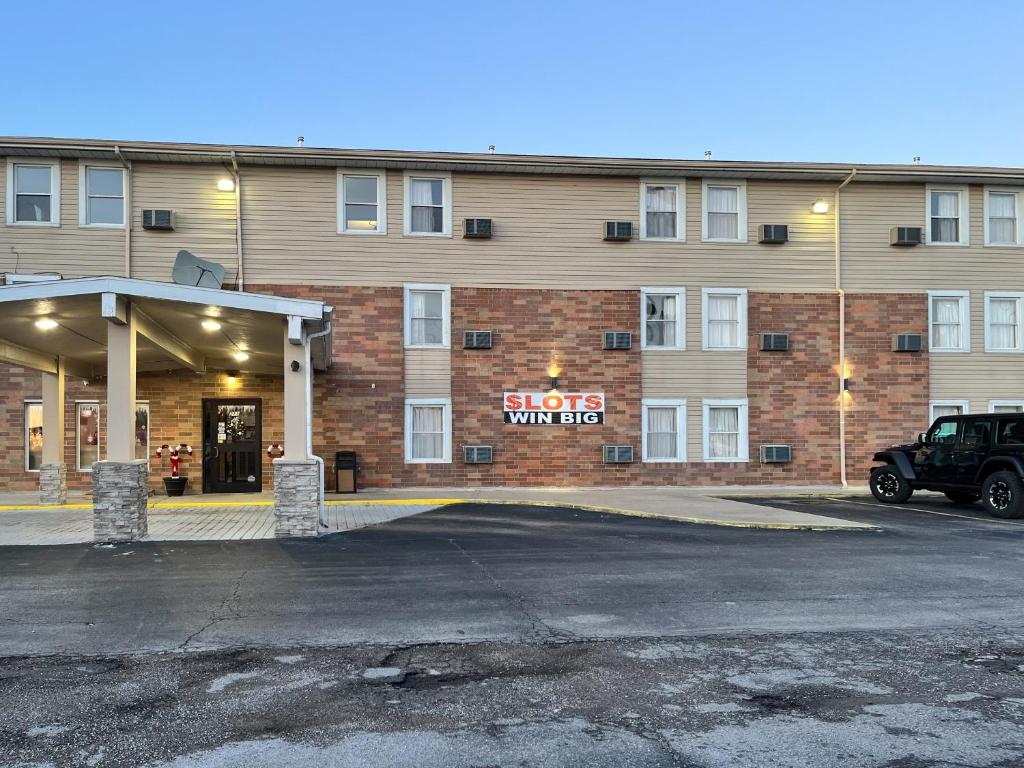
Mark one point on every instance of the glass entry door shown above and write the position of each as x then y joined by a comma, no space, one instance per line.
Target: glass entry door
232,446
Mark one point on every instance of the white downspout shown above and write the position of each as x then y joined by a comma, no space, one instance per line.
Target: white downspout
238,219
842,332
127,211
309,417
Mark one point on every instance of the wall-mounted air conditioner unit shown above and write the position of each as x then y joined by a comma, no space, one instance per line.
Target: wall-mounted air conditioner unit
773,233
906,236
161,219
618,230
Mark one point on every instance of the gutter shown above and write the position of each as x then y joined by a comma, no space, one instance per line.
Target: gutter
842,329
127,211
238,219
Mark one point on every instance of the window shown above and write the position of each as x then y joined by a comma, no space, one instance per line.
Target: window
940,408
943,433
664,437
428,431
948,314
663,318
427,315
428,205
946,215
725,430
1006,406
1001,211
663,210
33,436
100,196
725,211
1003,320
976,434
142,431
33,192
724,313
1011,432
87,435
362,203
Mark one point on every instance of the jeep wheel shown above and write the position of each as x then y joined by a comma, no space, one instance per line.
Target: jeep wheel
889,486
1003,495
962,497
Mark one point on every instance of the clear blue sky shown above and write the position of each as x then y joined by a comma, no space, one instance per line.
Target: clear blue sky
834,81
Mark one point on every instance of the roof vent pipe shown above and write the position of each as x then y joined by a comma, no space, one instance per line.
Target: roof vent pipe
490,149
301,141
707,154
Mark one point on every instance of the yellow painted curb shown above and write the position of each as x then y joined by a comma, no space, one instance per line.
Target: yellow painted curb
17,507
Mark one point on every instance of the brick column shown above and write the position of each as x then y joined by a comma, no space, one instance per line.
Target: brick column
296,497
120,493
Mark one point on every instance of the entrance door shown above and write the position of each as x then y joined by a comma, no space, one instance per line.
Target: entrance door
232,446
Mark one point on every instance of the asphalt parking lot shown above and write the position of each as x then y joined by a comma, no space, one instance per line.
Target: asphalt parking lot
510,636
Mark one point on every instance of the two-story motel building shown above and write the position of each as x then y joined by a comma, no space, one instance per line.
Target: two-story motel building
353,277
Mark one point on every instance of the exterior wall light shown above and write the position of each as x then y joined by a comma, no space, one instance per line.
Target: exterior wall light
46,323
553,383
820,206
210,325
226,184
846,384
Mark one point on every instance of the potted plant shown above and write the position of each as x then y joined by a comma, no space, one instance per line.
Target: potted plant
175,484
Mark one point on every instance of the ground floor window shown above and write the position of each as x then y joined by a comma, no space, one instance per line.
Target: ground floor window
428,431
664,437
87,435
142,431
725,430
33,436
940,408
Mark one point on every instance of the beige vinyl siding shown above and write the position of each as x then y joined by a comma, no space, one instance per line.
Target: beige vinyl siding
977,376
548,232
204,219
428,373
69,249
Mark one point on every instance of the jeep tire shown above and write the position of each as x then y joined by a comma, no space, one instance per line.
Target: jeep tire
962,497
889,486
1003,495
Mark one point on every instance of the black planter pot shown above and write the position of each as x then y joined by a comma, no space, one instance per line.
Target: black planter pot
175,485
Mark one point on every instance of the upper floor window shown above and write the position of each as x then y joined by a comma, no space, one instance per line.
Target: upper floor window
724,313
725,430
1001,214
33,192
664,436
101,196
948,314
663,318
1003,321
662,210
947,215
362,203
725,211
428,204
427,315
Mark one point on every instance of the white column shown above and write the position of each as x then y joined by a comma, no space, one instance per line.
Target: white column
53,415
297,395
121,349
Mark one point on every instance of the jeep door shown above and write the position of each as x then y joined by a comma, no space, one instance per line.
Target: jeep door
933,463
973,447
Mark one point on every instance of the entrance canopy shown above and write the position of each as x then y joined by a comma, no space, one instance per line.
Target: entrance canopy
200,329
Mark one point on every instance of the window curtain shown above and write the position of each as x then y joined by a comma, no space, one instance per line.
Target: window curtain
723,213
426,313
945,217
425,199
428,432
662,437
1003,323
661,211
723,321
724,432
1002,221
939,411
946,319
661,321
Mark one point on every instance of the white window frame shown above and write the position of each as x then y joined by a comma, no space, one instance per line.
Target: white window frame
964,405
680,406
741,210
742,442
446,421
78,440
149,425
965,210
680,185
382,201
83,195
993,404
12,207
24,431
705,294
446,196
680,294
1019,242
965,321
446,318
1019,296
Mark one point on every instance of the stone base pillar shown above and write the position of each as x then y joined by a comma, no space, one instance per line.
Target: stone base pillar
120,493
53,484
296,498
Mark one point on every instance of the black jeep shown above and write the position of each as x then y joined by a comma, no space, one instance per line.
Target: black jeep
965,457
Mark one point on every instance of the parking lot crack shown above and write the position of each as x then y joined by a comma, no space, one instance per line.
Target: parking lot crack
226,611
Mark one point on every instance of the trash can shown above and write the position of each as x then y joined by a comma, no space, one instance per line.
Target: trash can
346,465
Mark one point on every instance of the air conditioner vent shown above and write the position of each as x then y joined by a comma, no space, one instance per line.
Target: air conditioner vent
775,342
477,340
478,229
907,342
906,236
618,230
618,454
776,454
773,233
158,218
618,340
478,454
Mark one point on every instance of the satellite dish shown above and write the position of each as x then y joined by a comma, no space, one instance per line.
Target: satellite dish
191,270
